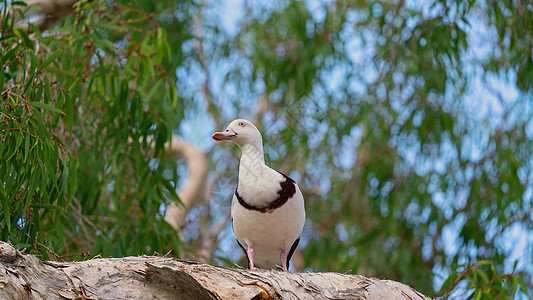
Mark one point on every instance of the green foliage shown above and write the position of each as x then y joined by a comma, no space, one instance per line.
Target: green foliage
36,186
485,282
86,111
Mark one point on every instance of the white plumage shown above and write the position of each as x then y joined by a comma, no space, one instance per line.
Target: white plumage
267,209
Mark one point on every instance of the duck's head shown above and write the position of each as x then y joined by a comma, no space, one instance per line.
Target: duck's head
241,132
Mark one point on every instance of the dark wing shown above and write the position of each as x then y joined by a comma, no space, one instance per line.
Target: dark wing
291,252
288,189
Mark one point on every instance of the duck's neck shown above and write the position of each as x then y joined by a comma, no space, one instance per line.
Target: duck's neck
252,161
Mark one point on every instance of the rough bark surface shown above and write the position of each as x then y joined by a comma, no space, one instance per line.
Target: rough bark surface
24,276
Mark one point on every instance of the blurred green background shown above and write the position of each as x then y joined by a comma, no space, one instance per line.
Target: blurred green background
408,125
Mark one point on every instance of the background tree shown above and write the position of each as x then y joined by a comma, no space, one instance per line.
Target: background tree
79,104
408,126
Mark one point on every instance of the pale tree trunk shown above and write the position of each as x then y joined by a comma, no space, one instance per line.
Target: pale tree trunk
48,13
24,276
196,174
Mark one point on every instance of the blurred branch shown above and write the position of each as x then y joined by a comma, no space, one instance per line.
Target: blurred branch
203,60
196,172
49,13
208,241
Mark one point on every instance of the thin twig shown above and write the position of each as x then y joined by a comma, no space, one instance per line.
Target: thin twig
19,129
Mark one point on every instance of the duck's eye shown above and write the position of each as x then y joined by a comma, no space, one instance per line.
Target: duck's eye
241,124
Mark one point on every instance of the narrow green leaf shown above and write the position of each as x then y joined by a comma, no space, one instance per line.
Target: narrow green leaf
26,147
20,3
523,287
74,82
59,105
153,90
110,26
482,274
58,71
34,61
17,145
9,55
47,205
46,106
477,295
69,108
34,182
29,87
448,281
35,30
47,94
25,37
51,58
64,176
6,208
2,75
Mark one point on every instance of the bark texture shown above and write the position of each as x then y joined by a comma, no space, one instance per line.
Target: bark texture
25,276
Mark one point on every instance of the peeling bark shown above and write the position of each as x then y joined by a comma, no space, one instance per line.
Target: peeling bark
154,277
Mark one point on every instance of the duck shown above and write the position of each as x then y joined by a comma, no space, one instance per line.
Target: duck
267,208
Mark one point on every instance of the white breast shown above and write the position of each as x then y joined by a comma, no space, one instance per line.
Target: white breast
259,186
270,232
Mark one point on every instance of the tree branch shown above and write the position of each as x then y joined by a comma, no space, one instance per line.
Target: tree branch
50,11
27,277
196,174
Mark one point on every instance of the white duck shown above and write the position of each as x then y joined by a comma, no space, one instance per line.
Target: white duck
267,209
